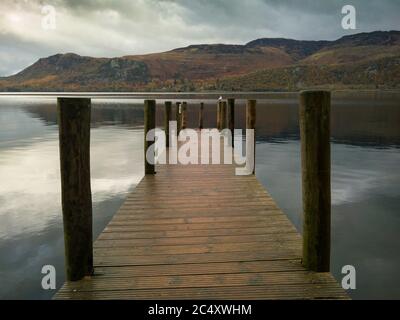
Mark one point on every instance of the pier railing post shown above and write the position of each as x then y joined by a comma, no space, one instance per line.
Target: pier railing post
251,124
184,115
149,124
315,163
219,115
201,124
74,139
178,117
167,119
223,115
231,118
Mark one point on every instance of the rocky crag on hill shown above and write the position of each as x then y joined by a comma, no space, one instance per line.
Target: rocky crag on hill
364,60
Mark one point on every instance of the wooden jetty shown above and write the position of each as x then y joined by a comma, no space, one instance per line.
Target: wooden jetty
199,232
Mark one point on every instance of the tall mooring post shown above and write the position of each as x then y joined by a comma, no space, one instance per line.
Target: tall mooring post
316,173
149,124
74,138
201,110
219,103
184,115
167,119
251,124
231,118
223,115
178,107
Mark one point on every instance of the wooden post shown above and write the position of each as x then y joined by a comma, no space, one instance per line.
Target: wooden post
223,115
231,118
178,117
219,115
74,136
167,119
315,162
201,124
184,115
149,124
251,124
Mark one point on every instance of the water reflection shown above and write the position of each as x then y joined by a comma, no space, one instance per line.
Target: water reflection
32,177
365,180
124,113
30,212
365,208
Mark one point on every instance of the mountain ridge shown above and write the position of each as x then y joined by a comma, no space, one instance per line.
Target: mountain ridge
208,66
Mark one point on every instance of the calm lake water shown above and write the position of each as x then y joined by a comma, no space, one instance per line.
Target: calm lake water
365,182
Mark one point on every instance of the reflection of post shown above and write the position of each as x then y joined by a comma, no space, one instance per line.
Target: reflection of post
316,172
201,115
76,195
149,124
183,115
167,119
231,118
251,125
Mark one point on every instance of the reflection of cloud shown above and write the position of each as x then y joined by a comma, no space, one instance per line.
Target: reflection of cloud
361,171
30,188
358,174
350,185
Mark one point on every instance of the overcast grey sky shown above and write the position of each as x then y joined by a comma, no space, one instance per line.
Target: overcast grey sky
122,27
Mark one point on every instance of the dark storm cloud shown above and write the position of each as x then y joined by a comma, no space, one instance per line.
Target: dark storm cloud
301,19
113,28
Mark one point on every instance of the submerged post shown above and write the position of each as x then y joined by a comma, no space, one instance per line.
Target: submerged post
223,115
251,124
315,163
76,195
167,119
231,118
149,124
201,125
184,115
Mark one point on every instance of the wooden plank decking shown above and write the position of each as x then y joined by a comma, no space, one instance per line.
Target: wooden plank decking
200,232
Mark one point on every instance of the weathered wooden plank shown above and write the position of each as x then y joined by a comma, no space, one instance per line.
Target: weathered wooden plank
200,281
124,213
292,246
299,292
200,232
104,243
126,234
195,226
232,293
254,255
201,268
194,220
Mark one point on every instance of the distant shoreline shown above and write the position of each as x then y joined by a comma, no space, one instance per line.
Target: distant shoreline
216,92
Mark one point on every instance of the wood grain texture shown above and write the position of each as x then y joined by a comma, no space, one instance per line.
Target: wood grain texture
167,119
223,110
316,174
74,135
231,118
200,232
149,124
201,112
178,116
219,106
184,115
